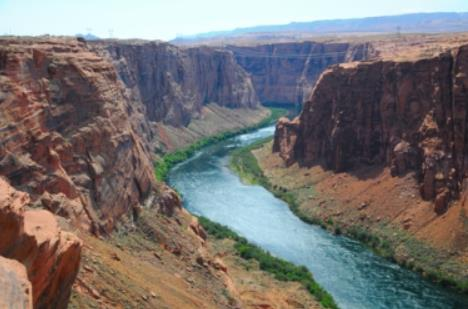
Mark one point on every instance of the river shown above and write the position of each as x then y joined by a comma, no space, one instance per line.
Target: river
355,276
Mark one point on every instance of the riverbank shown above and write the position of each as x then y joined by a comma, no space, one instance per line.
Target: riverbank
168,262
280,269
167,161
324,198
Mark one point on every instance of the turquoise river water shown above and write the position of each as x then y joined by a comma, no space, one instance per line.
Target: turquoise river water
355,276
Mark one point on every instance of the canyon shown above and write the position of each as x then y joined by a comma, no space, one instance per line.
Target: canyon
77,141
82,125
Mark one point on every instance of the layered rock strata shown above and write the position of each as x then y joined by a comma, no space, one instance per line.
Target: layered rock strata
70,135
174,83
287,72
410,116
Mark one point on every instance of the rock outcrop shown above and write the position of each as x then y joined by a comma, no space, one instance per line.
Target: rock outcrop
174,83
50,256
16,288
70,134
410,116
287,72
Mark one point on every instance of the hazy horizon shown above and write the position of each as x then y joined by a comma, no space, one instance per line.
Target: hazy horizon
159,19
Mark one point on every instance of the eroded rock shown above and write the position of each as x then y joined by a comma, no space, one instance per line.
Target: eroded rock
33,238
174,83
409,116
71,135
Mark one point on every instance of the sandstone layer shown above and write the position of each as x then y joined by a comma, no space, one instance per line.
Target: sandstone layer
286,72
386,213
409,116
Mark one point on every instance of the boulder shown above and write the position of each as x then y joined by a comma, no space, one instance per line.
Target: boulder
51,257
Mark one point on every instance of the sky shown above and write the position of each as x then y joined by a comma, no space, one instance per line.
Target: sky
165,19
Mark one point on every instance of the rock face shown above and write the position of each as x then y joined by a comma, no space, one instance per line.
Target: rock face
16,289
410,116
285,138
287,72
70,135
175,83
50,256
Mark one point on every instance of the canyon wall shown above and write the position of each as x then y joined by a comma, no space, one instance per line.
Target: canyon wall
174,84
287,72
409,116
70,135
78,122
74,144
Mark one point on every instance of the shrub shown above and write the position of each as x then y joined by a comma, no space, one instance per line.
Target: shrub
280,269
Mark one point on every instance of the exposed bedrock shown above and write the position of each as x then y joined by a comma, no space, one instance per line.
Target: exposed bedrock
77,121
16,288
287,72
174,83
70,135
409,116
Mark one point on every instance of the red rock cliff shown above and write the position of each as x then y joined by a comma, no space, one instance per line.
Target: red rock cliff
74,142
174,83
410,116
287,72
70,135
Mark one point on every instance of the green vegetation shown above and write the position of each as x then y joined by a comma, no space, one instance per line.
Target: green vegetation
436,265
280,269
244,163
168,161
217,230
378,244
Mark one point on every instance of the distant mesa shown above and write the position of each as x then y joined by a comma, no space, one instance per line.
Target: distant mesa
407,23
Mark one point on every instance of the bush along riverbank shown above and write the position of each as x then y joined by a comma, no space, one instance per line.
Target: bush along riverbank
382,240
163,166
280,269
